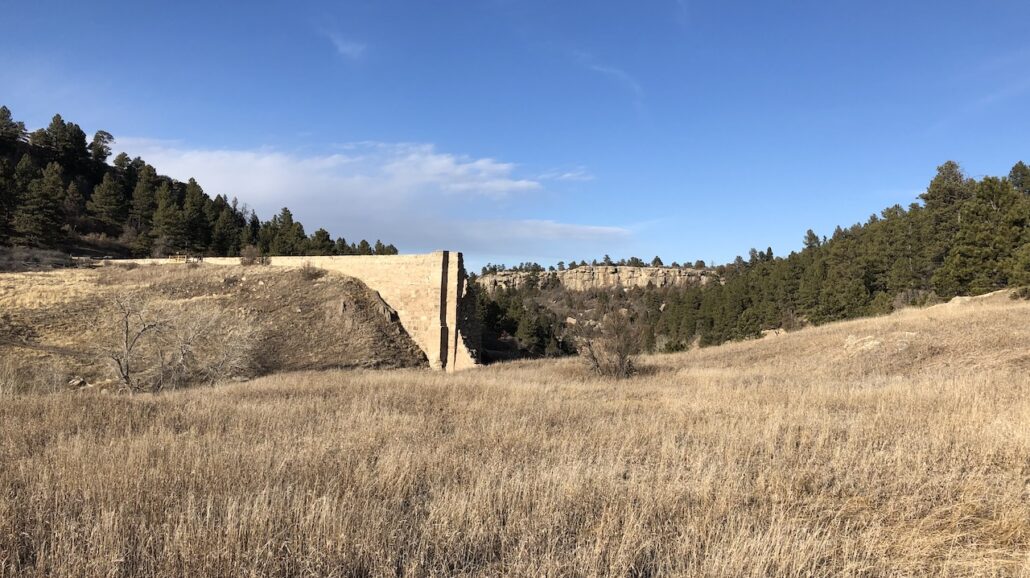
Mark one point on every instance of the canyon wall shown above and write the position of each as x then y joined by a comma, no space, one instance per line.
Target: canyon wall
602,277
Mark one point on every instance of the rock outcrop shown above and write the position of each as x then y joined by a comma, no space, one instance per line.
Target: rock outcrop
601,277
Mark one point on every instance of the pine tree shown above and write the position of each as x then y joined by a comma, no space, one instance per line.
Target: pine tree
811,285
321,243
8,199
100,147
53,135
198,228
169,231
144,200
1018,266
225,234
122,162
983,242
65,139
74,207
289,236
107,205
249,232
943,200
811,240
364,248
38,219
1020,177
25,172
529,333
266,235
11,131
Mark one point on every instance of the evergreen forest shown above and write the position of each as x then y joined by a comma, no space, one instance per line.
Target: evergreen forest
57,191
963,236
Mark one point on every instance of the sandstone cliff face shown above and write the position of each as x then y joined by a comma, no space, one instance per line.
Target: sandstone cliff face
603,277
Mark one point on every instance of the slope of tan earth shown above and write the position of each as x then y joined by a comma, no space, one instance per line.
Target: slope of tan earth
53,320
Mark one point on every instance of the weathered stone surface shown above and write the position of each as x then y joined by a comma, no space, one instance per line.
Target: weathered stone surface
426,291
603,277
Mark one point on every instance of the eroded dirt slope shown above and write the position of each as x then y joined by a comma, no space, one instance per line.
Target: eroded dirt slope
52,322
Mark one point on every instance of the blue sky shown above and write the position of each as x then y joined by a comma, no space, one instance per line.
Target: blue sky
541,130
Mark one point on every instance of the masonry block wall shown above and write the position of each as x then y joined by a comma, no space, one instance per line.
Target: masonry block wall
426,291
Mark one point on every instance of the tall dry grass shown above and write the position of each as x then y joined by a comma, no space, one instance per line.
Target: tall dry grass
897,446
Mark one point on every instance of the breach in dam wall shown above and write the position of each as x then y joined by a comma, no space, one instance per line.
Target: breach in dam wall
426,291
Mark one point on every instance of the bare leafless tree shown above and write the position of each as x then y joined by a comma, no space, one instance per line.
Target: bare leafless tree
133,322
609,346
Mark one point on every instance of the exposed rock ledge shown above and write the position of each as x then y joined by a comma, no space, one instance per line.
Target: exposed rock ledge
603,277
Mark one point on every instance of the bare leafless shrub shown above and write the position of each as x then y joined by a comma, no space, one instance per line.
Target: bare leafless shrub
309,272
251,255
31,259
608,347
156,347
22,376
914,298
129,237
203,345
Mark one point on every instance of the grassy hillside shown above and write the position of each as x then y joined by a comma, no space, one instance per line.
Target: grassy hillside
887,446
59,324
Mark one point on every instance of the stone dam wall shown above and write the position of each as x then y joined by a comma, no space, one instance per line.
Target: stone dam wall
427,292
603,277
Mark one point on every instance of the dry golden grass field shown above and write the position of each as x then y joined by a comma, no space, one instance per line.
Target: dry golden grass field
895,446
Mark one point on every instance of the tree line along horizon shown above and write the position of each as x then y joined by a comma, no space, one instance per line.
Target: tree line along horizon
58,191
606,261
963,236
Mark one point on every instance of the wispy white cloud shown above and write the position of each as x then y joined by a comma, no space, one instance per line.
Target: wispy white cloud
1012,90
346,47
994,72
547,230
620,76
388,172
421,165
410,194
508,240
576,174
1004,62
